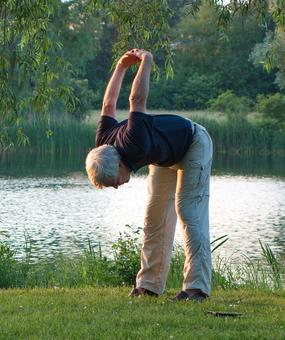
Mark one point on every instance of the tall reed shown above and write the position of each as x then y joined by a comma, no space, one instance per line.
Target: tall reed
92,268
64,135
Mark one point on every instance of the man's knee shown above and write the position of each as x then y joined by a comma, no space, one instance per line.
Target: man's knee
186,211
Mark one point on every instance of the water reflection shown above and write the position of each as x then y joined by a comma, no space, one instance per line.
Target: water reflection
29,163
62,213
254,165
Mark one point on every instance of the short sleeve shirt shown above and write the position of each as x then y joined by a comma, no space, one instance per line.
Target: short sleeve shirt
144,139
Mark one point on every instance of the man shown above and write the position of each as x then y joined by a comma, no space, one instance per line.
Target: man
179,155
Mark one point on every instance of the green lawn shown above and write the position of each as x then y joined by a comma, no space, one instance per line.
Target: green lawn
109,313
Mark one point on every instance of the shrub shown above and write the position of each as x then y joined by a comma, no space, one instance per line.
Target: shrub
8,266
230,104
197,90
85,98
127,256
272,106
183,92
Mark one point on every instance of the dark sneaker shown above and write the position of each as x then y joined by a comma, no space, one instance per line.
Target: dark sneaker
184,296
141,291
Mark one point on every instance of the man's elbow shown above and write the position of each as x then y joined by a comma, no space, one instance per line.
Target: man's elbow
108,108
137,99
137,103
109,104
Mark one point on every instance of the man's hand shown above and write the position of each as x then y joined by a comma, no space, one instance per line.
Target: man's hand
142,54
129,59
134,56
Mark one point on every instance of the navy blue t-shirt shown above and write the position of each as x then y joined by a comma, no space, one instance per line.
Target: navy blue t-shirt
144,139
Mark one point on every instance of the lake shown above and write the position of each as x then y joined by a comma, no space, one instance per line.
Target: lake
59,211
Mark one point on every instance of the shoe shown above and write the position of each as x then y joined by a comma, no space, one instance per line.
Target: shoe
184,296
141,291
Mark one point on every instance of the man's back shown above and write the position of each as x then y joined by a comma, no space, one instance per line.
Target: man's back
147,139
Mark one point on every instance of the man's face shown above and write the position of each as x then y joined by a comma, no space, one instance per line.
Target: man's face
123,177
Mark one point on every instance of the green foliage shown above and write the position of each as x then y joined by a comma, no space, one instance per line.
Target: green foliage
272,106
230,104
8,266
34,73
143,23
49,49
127,256
224,57
270,55
223,239
274,265
257,274
183,93
84,98
92,268
79,33
61,144
29,72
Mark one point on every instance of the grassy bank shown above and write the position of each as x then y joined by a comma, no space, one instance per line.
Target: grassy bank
86,297
108,313
62,137
120,266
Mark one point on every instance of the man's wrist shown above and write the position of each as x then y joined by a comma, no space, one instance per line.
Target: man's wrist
148,57
121,67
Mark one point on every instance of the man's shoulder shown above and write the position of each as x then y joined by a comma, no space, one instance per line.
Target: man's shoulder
107,119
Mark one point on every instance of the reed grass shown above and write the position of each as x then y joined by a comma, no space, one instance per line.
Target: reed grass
63,137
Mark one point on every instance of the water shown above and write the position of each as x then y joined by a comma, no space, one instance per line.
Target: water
61,213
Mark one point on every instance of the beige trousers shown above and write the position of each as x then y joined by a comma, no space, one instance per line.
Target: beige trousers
179,191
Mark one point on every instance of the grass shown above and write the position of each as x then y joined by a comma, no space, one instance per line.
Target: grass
93,268
236,136
248,145
108,313
86,297
63,137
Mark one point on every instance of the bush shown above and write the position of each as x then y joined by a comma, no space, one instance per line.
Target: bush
7,266
127,256
85,98
230,104
183,92
272,106
196,91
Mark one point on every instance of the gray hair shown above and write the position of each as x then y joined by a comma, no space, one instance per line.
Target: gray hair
102,165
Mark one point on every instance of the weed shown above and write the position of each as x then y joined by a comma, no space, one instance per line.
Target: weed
273,264
92,268
127,256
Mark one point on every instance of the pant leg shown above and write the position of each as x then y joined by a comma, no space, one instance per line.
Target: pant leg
192,207
159,229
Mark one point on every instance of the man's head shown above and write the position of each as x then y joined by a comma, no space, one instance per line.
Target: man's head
105,168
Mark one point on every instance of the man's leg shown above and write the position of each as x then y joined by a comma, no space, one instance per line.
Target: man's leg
159,229
192,206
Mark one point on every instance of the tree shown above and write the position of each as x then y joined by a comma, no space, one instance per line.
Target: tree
30,74
270,54
80,34
30,58
25,49
209,62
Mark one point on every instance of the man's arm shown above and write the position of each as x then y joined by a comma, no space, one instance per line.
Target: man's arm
140,86
114,86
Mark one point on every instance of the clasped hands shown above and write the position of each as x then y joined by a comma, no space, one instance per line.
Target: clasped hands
134,56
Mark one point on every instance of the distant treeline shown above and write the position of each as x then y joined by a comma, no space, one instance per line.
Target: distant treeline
56,58
208,63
